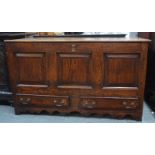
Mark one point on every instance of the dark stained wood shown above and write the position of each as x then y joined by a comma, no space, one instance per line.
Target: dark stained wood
90,76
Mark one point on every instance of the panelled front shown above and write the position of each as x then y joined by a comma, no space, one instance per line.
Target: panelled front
67,68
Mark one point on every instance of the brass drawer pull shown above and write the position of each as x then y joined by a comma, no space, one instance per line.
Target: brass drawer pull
63,101
21,99
89,104
55,101
28,99
124,103
128,107
25,103
133,104
59,105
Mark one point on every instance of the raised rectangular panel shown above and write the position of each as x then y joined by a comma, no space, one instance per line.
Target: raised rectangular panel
121,70
32,69
74,70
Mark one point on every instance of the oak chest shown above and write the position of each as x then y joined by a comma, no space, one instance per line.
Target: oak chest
92,76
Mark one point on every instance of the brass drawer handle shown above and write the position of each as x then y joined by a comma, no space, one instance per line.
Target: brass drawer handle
124,103
89,104
93,103
129,105
55,101
28,99
133,103
24,101
59,105
63,101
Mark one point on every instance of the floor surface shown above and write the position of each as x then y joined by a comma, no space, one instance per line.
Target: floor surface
7,115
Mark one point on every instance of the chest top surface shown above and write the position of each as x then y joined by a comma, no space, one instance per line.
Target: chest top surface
78,39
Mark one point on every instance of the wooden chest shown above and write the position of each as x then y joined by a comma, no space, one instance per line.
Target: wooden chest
92,76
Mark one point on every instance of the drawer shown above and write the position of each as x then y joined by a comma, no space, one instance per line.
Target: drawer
108,103
43,101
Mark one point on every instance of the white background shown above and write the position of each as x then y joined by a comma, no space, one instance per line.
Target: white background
74,16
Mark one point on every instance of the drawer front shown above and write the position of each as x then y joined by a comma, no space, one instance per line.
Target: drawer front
43,101
108,103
